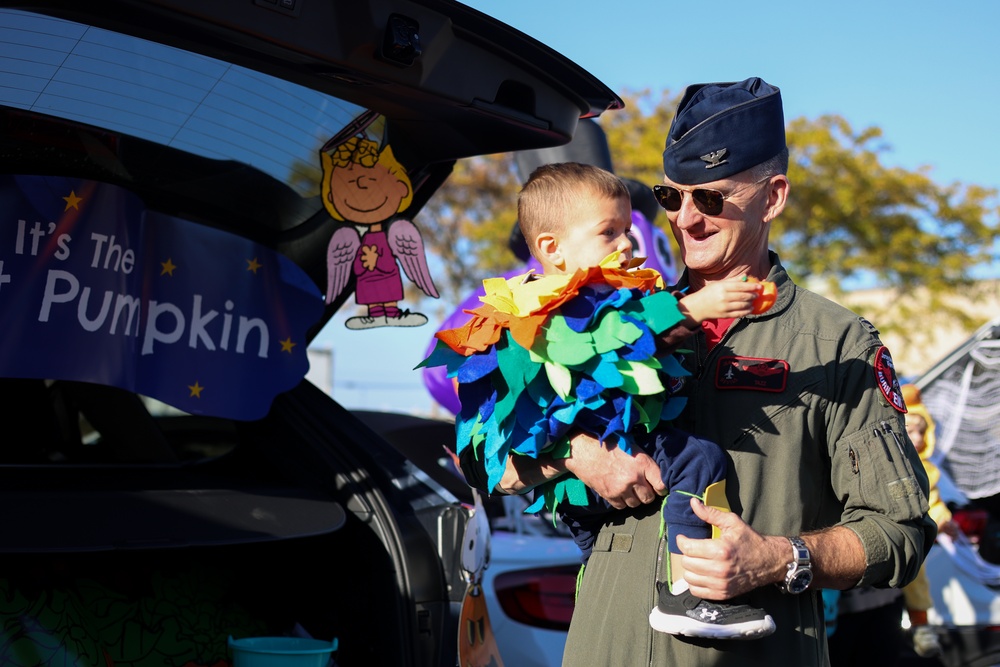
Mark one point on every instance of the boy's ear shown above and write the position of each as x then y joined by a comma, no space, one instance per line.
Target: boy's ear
547,246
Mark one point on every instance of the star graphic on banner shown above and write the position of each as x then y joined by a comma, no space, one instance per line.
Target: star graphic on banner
253,265
72,201
195,389
287,345
168,267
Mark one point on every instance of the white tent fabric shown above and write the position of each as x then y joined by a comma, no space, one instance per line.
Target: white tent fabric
961,584
963,396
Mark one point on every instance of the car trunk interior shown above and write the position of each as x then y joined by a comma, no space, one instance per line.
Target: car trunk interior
258,528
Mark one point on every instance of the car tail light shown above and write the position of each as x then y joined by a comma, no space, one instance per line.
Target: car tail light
541,597
972,522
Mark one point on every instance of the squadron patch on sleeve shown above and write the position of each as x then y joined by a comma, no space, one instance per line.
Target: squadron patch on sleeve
885,377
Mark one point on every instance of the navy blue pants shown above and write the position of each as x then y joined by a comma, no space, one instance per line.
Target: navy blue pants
688,465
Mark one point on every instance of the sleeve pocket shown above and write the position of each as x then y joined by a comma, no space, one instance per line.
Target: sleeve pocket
873,472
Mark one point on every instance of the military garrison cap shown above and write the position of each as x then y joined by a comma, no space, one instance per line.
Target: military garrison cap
721,129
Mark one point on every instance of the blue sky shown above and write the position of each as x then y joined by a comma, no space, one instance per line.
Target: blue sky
926,74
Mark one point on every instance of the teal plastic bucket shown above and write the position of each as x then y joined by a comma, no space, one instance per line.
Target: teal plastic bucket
281,652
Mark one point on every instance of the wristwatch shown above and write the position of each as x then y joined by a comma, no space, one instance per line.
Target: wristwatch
799,574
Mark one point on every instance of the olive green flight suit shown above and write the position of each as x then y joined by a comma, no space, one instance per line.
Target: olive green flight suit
793,396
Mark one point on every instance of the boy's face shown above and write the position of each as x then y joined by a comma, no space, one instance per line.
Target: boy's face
915,428
594,227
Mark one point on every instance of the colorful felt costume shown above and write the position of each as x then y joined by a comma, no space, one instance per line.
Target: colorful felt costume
544,354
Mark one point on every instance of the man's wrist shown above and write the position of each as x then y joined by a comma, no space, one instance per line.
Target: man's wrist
798,570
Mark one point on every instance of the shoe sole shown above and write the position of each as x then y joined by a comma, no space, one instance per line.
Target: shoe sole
682,625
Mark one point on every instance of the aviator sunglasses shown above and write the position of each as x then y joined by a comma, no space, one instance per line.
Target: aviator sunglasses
709,202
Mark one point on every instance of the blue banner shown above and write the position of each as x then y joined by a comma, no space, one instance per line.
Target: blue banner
97,288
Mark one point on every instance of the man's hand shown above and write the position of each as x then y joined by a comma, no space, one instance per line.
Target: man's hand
738,561
624,480
741,559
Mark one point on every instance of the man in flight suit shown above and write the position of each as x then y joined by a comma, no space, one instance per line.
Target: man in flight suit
825,489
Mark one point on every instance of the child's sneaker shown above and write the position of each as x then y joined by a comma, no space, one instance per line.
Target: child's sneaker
925,642
684,614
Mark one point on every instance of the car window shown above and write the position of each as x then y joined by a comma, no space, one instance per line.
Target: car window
121,160
170,97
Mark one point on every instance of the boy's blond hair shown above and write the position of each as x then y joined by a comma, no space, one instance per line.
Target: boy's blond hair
545,198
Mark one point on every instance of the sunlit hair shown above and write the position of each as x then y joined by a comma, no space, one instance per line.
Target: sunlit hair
772,167
364,153
546,197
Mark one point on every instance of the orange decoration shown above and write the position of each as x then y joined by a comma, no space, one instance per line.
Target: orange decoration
766,298
477,647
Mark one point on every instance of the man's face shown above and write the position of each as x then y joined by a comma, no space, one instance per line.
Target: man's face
723,245
595,227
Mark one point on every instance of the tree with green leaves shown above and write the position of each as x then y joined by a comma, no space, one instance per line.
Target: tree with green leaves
468,222
852,220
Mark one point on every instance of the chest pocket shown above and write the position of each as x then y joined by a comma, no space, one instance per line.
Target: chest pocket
785,413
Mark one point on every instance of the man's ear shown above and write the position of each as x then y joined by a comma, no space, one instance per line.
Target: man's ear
547,245
777,197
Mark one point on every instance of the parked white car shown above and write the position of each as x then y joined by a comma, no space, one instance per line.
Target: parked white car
530,582
530,587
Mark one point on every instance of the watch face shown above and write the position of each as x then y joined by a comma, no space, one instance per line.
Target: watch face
800,581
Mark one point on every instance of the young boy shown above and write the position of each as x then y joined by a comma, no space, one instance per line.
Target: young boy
582,347
917,596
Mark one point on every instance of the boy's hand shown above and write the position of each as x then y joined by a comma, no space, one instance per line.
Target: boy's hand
949,528
722,300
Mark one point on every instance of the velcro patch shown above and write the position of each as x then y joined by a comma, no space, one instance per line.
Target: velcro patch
751,373
885,377
904,488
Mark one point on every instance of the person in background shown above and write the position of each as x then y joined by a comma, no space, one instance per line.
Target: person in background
802,398
920,428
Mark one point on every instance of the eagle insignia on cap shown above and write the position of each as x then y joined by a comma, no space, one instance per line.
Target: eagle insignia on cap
715,158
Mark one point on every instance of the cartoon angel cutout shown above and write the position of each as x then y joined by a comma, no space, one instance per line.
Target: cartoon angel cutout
365,186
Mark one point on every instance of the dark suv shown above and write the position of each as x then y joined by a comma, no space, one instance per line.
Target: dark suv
171,174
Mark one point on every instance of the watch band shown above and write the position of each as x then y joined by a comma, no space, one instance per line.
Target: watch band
799,575
800,552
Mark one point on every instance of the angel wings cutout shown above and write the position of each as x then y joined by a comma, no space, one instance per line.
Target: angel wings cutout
366,187
373,258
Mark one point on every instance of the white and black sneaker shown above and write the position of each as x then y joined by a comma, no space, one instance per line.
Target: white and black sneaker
925,642
684,614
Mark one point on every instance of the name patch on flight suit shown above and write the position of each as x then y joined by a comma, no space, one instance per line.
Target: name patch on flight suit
751,373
